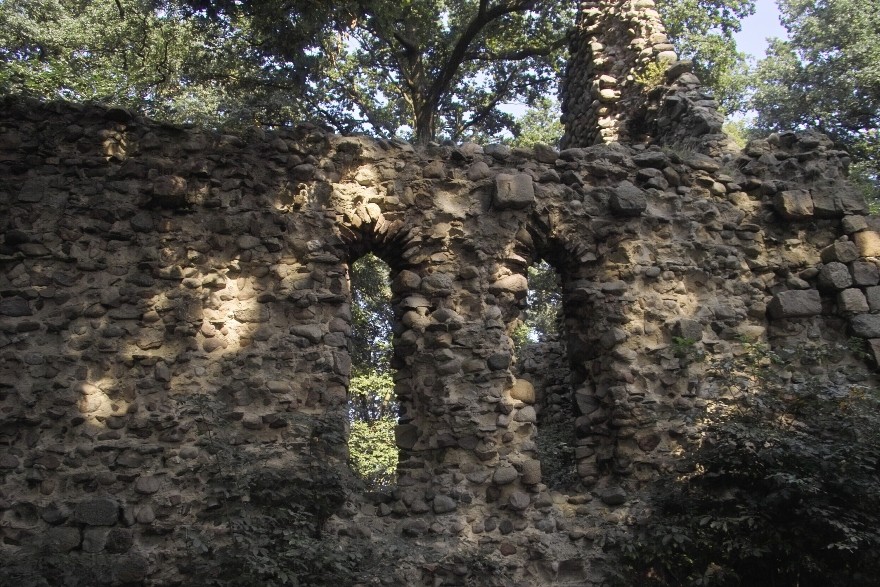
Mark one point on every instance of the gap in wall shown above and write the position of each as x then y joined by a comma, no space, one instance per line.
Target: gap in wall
543,360
373,408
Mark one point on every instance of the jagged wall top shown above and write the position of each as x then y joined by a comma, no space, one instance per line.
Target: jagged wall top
625,83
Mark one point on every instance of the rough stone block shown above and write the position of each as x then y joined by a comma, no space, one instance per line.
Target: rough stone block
868,243
613,495
851,224
519,500
689,329
545,153
865,273
865,325
516,284
99,511
61,539
794,204
872,294
851,301
795,304
406,436
628,200
874,349
15,307
834,276
444,504
514,192
531,472
504,474
523,391
840,251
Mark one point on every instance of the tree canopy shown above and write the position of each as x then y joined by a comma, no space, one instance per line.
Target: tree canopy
826,75
422,69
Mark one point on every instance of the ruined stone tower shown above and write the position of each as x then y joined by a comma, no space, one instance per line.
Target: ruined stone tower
175,313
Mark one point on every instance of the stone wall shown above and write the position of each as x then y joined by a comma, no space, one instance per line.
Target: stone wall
175,312
625,83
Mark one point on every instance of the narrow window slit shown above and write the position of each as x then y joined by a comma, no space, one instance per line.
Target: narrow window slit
373,408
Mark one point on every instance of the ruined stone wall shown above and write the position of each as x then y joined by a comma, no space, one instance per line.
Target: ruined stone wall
175,312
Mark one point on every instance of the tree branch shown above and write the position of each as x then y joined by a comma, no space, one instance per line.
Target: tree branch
484,16
516,55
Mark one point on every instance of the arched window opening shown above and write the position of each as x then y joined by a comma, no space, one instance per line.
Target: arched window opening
373,408
542,359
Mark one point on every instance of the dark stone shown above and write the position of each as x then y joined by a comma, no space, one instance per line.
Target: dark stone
406,436
794,204
654,159
834,276
99,511
628,200
15,307
614,495
499,361
62,539
865,325
131,569
444,504
795,304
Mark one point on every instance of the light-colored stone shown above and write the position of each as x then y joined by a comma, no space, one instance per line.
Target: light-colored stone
868,243
794,204
523,391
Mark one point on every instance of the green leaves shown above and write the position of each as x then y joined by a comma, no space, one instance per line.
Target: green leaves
783,488
826,76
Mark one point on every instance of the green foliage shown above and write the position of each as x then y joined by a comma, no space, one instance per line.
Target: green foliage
702,30
555,445
738,130
784,488
373,452
826,76
262,525
372,406
441,69
141,54
540,124
372,314
686,350
423,69
544,301
652,76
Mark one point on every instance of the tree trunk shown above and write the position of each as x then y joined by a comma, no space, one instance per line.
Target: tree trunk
425,124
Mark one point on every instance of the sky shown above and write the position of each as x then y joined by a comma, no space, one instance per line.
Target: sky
752,39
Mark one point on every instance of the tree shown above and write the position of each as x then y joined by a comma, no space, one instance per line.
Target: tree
826,76
372,405
702,30
144,54
431,68
439,68
540,124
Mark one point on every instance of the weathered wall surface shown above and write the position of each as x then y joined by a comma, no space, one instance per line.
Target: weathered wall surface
175,307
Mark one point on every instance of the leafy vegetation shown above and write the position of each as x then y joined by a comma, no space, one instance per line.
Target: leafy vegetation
540,124
784,488
543,306
424,70
825,76
373,407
